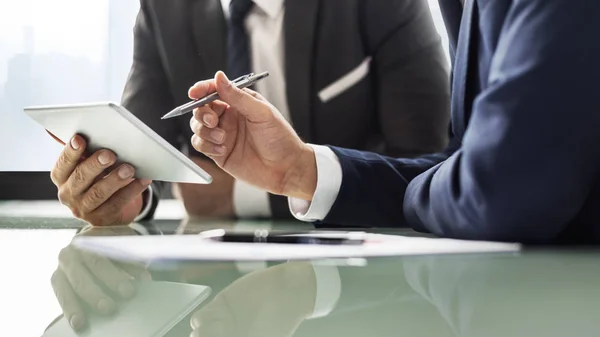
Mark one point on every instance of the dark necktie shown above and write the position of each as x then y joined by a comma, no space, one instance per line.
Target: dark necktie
238,46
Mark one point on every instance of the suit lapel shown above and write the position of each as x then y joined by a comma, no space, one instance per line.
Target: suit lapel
210,33
300,23
461,69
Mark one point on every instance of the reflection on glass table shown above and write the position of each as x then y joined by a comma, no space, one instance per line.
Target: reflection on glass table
538,292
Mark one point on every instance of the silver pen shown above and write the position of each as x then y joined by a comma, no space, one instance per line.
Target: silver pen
241,82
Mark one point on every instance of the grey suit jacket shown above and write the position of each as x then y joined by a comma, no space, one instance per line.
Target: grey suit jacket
401,108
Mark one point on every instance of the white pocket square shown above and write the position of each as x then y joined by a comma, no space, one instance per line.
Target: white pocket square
345,82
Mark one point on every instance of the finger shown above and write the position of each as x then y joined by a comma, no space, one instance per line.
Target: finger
207,147
68,160
246,104
85,173
216,135
209,115
110,212
67,300
102,190
136,270
255,94
201,89
205,115
83,284
114,278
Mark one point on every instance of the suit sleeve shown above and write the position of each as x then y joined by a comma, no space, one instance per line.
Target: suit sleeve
147,92
527,161
411,77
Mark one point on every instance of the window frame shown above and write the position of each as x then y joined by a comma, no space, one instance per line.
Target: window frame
32,185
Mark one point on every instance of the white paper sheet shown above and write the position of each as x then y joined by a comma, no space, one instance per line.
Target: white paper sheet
192,247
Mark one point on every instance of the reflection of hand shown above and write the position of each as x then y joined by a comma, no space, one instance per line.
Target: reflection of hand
84,280
91,193
212,200
271,302
246,136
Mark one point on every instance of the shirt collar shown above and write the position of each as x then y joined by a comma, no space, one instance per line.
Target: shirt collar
271,7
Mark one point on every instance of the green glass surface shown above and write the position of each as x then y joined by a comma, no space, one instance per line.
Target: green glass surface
537,292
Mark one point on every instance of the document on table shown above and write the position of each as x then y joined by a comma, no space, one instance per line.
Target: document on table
194,247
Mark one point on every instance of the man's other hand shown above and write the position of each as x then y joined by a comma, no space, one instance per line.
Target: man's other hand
249,138
94,188
212,200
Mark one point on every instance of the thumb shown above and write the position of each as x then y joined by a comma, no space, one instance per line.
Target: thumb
250,107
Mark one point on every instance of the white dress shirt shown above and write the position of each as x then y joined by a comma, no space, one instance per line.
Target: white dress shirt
264,25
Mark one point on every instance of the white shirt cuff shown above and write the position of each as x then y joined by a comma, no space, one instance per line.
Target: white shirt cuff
249,201
329,181
329,288
148,193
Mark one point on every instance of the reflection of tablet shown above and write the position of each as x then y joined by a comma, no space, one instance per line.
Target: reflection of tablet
156,309
110,126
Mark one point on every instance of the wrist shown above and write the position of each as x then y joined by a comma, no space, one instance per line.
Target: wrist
301,179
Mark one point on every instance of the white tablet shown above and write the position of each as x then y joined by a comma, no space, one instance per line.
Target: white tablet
111,126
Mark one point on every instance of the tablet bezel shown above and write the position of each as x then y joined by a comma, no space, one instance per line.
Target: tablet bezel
42,113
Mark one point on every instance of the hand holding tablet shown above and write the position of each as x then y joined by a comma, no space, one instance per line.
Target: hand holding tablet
103,171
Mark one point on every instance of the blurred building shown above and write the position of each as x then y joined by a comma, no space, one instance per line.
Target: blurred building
121,17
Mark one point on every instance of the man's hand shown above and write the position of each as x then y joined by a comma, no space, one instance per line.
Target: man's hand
248,138
94,189
213,200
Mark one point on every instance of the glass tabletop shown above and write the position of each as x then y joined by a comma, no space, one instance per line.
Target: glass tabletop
49,285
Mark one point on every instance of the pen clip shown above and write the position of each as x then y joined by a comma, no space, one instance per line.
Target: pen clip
242,78
251,79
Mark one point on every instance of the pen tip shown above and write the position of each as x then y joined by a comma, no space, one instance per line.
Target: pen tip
173,113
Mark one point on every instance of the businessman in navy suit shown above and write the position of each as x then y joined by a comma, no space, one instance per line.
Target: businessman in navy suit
523,163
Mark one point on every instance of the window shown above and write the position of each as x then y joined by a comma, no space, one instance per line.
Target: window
58,52
55,52
438,20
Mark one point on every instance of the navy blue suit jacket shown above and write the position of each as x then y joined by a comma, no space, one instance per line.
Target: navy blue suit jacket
523,162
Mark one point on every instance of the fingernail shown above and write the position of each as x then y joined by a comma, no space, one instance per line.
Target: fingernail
225,79
76,322
104,158
146,182
208,119
217,135
105,306
220,149
125,172
126,289
75,143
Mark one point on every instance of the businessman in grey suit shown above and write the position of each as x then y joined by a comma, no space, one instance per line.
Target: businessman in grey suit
368,75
